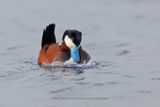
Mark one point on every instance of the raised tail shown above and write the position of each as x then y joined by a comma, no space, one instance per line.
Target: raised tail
48,36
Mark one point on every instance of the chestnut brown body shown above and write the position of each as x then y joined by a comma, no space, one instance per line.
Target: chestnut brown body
52,52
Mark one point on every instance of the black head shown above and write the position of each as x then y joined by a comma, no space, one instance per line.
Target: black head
74,36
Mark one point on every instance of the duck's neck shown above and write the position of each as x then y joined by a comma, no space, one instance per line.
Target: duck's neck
74,52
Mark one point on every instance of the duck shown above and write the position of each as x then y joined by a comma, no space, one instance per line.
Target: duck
70,48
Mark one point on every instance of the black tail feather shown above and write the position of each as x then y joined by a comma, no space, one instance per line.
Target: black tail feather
48,36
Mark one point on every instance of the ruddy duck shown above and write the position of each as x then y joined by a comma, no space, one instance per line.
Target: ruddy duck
69,50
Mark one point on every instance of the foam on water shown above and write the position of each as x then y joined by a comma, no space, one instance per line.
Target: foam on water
78,68
90,64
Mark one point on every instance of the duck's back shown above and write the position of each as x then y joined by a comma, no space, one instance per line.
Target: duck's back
51,53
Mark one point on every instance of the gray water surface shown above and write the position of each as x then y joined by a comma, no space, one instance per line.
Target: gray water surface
122,37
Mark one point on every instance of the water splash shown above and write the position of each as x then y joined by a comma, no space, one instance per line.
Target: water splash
71,66
91,64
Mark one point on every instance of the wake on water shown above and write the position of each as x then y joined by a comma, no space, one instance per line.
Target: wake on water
75,68
90,64
69,66
29,66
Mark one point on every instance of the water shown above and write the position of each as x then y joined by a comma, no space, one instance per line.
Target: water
121,36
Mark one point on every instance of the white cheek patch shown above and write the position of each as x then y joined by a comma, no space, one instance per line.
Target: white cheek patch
68,41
